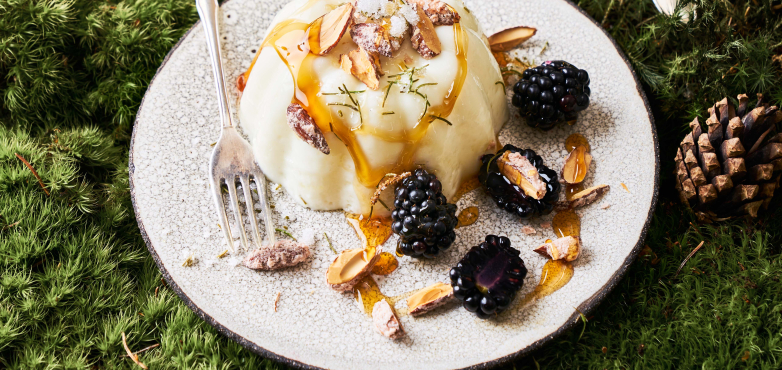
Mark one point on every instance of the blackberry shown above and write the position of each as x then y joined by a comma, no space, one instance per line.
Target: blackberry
551,93
488,276
423,218
512,198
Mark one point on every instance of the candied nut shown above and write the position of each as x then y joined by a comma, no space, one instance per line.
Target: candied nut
584,197
429,298
374,38
521,172
350,266
284,253
385,320
330,28
424,38
566,248
508,39
437,11
363,65
576,165
304,126
385,183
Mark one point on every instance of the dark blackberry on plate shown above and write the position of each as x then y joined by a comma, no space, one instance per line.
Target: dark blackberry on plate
519,182
423,218
551,93
488,277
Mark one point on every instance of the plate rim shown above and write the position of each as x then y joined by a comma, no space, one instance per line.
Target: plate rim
587,306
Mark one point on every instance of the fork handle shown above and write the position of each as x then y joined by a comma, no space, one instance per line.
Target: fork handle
208,10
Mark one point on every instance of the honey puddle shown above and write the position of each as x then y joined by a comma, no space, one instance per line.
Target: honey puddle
386,264
576,140
371,231
572,189
566,223
555,275
468,216
293,40
467,186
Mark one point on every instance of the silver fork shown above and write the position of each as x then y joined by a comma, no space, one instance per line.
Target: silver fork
232,156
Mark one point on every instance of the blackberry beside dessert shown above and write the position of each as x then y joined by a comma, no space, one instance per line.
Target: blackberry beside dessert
488,276
551,93
519,182
423,219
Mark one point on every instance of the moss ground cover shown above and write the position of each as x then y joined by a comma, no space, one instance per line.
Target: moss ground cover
75,274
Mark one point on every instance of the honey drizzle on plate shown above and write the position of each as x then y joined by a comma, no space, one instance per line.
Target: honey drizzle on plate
370,231
386,264
367,293
468,216
292,39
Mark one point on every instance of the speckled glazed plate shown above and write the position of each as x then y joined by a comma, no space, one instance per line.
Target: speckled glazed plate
316,327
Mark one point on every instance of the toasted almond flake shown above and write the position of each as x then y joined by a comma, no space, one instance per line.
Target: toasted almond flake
330,28
528,230
607,206
385,320
566,248
364,66
284,253
424,38
624,186
306,129
508,39
584,197
521,172
350,266
429,298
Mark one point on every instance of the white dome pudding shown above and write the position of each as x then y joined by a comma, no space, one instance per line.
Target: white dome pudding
441,113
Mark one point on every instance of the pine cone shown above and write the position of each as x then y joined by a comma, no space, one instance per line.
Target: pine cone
733,169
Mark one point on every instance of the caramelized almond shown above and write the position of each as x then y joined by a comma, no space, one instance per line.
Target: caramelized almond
584,197
566,248
350,266
385,320
576,165
304,126
508,39
521,172
424,38
429,298
326,31
364,66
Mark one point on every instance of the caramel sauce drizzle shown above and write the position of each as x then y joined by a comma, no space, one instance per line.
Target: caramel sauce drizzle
293,40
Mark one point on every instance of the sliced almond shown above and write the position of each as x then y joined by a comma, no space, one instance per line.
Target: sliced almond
374,38
429,298
385,320
424,38
520,171
304,126
364,66
566,248
440,13
284,253
350,266
584,197
576,165
508,39
326,31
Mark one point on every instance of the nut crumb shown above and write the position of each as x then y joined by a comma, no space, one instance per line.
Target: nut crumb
385,320
284,253
223,254
276,300
528,230
545,225
607,206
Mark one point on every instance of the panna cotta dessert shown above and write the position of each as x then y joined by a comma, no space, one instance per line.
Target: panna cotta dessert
340,95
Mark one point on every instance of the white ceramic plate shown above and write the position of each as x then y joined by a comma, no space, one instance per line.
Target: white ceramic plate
315,327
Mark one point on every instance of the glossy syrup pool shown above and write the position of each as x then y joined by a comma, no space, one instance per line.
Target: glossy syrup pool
367,293
371,231
468,216
293,42
554,276
386,264
572,189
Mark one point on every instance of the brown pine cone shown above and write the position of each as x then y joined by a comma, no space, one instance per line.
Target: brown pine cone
734,167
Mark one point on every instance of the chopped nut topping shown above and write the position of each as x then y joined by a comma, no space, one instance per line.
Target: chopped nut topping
385,183
284,253
429,298
566,248
424,38
521,172
350,266
304,126
363,65
508,39
438,12
584,197
385,320
331,27
375,39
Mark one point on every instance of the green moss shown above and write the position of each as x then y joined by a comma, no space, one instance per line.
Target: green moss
75,274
